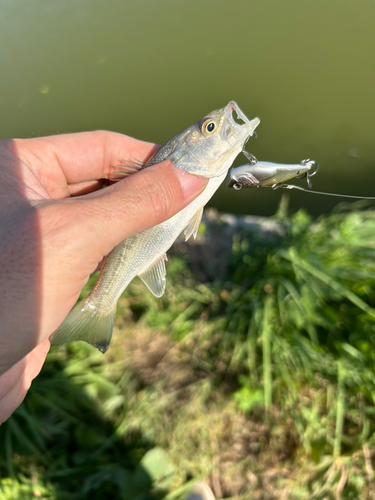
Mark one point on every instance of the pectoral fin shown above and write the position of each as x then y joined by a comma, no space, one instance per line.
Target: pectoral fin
192,227
154,277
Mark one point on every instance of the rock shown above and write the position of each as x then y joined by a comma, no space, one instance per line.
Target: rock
209,254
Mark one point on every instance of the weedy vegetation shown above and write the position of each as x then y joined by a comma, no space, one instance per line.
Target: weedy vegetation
260,381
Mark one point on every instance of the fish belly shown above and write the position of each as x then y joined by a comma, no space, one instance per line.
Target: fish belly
137,253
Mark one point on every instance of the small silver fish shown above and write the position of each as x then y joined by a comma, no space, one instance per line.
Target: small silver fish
266,174
207,148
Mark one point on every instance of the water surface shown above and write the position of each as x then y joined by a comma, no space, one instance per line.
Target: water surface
149,68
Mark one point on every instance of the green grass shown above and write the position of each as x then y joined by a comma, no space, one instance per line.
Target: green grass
261,381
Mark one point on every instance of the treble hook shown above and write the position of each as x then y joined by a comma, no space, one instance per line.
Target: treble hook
310,174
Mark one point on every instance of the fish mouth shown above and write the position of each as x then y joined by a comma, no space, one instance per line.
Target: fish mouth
237,133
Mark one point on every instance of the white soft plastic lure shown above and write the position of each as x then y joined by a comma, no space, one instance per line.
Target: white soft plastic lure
207,148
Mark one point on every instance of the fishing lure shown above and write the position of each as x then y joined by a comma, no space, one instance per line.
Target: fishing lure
274,175
266,174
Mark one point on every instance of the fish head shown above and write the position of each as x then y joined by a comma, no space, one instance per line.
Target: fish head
209,147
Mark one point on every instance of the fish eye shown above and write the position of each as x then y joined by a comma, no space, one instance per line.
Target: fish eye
208,127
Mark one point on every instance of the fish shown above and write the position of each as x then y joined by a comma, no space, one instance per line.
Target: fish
266,174
206,148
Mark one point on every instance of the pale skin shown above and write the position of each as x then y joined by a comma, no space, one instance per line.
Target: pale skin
56,226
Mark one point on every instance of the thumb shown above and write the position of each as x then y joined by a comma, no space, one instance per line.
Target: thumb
136,203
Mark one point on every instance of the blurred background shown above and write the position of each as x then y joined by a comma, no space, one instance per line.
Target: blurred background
151,68
255,372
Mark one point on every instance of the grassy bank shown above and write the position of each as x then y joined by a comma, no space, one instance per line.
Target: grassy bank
259,380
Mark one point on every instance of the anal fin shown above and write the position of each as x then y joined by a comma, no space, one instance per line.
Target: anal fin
192,227
154,277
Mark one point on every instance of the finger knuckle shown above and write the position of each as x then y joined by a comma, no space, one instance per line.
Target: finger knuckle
158,198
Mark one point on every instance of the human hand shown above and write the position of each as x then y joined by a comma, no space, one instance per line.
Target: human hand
57,225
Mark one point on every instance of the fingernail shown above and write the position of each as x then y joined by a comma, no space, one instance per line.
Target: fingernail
190,183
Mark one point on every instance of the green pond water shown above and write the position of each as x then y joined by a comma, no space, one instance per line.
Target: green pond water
150,68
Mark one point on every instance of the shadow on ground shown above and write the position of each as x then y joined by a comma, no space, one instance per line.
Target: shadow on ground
60,440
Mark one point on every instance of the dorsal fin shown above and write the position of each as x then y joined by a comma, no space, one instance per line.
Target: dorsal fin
124,169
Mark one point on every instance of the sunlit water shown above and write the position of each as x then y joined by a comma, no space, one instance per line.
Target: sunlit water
149,68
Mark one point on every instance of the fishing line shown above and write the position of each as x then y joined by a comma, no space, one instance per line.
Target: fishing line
292,186
309,183
307,175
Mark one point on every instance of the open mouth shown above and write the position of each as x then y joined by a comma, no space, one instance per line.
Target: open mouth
241,131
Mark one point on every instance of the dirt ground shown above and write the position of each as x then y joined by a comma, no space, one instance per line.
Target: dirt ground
245,458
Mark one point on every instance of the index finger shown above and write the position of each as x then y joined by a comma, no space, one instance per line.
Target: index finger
87,156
